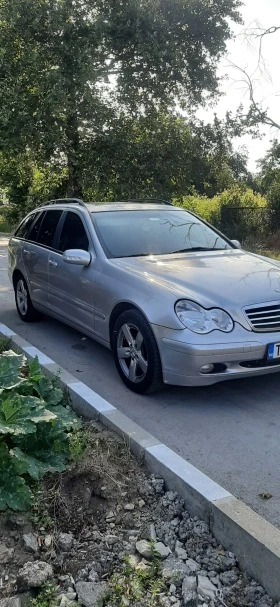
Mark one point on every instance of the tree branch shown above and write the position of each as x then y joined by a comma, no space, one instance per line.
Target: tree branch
259,112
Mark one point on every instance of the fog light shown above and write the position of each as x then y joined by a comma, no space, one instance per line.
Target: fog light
207,368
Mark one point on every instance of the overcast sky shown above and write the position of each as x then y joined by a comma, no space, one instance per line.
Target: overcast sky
267,13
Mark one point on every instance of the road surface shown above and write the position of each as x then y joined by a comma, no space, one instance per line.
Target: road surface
230,431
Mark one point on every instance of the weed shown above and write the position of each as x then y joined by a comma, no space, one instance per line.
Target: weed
78,444
138,582
47,597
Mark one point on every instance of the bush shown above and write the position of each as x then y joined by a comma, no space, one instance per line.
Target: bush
226,211
34,429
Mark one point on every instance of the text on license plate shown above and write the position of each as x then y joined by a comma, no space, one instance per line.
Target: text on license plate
273,351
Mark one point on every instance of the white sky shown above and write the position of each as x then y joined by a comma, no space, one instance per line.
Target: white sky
267,13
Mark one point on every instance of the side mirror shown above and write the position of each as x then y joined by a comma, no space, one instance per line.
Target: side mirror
77,257
236,243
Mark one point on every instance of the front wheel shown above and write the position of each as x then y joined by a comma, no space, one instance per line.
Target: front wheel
136,353
24,304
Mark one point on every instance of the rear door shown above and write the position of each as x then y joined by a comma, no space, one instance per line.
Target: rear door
72,287
36,252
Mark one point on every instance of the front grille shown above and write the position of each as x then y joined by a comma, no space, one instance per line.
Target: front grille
264,318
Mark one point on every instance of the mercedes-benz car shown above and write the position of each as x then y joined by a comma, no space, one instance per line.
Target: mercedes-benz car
175,300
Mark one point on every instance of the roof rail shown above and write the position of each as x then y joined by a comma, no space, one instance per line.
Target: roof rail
64,201
150,200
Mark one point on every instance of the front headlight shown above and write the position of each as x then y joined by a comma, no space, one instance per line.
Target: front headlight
197,319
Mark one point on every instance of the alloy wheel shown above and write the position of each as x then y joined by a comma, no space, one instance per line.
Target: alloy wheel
132,352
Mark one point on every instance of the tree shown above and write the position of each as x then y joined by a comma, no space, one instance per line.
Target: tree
69,66
160,154
257,113
269,176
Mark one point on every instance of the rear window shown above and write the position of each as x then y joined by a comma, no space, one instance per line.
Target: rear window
48,228
24,227
35,228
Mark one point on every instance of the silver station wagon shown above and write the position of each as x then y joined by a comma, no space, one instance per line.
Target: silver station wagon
176,301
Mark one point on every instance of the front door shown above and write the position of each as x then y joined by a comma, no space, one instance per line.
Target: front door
72,287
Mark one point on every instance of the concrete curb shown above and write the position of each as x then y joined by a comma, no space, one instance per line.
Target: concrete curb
255,542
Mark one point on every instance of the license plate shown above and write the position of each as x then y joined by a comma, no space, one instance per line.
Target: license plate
273,351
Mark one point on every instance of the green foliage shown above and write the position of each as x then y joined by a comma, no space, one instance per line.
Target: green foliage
5,344
68,67
47,596
14,492
138,582
273,194
34,428
159,154
78,444
210,209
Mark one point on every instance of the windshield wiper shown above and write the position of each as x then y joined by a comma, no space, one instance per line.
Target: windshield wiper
137,255
197,249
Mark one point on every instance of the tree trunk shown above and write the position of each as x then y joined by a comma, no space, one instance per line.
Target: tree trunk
74,188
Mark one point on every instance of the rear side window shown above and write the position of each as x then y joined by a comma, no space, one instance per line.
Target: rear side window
35,228
48,228
73,234
24,227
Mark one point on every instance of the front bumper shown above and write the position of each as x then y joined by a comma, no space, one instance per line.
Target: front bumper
234,355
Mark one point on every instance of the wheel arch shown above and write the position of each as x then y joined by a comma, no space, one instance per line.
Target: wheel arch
16,274
121,307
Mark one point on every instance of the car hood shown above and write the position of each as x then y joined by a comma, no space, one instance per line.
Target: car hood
229,279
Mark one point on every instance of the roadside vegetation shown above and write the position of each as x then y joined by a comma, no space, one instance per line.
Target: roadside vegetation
35,427
83,523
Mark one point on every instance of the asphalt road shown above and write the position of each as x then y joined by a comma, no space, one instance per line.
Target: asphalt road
230,431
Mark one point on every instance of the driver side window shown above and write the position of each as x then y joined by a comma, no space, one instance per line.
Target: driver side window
73,234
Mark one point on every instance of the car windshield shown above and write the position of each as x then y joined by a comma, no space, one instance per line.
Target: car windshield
154,232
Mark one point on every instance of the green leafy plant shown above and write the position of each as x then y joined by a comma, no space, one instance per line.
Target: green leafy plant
34,429
47,597
137,582
5,343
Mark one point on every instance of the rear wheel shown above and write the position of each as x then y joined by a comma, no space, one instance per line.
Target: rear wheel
136,353
24,304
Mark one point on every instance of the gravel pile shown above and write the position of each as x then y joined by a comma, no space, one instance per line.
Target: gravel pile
142,535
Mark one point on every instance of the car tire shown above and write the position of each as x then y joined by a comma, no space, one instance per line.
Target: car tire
24,305
136,353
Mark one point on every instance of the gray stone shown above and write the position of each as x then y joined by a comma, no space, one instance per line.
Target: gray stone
182,553
192,566
12,601
30,542
48,541
189,584
93,576
91,594
111,539
65,541
205,588
6,554
174,570
190,599
228,578
129,507
145,549
162,550
71,596
34,575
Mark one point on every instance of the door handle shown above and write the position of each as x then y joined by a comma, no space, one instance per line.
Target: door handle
53,263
